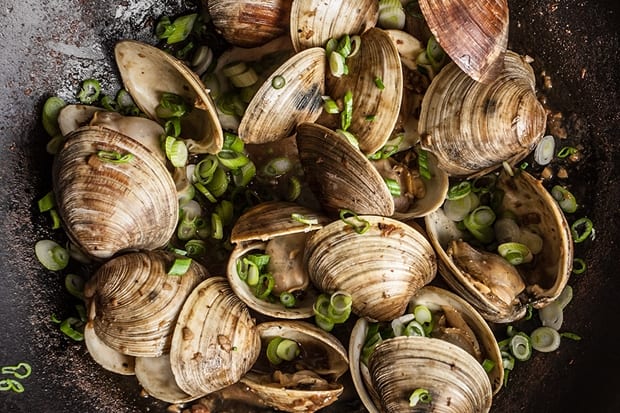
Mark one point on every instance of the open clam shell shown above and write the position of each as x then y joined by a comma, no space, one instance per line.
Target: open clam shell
107,207
268,227
148,72
381,268
249,23
475,36
134,303
272,113
321,354
377,58
314,22
434,299
215,341
473,127
544,278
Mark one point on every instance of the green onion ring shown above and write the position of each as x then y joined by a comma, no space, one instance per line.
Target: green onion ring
586,232
419,396
67,327
10,384
459,191
15,370
287,299
579,266
521,346
352,219
180,266
278,82
545,339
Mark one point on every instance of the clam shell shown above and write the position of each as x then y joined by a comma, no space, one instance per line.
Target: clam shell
473,127
148,71
314,22
545,277
321,352
109,207
339,175
215,341
377,58
475,36
136,303
273,114
249,23
456,381
381,268
107,357
155,376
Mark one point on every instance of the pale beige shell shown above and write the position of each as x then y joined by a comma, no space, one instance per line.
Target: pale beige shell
329,360
249,23
377,59
110,207
381,268
475,37
473,127
135,303
272,113
215,341
314,22
107,357
155,376
433,298
544,278
456,382
148,72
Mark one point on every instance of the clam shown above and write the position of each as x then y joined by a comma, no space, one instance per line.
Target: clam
215,341
269,228
379,261
473,127
134,303
148,72
500,291
108,205
249,23
107,357
314,22
444,363
309,382
341,177
156,378
274,112
474,36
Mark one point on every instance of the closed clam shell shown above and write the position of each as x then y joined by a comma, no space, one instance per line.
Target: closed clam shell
148,72
314,22
136,303
215,341
456,381
473,127
544,278
474,35
321,353
107,207
339,175
377,58
249,23
155,376
107,357
272,113
381,268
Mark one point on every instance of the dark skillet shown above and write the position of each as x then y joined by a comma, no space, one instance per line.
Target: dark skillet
48,48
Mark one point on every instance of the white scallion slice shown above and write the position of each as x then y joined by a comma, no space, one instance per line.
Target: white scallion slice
552,315
543,154
565,297
545,339
51,255
337,65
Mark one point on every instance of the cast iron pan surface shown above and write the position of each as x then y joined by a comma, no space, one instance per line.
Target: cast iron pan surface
47,48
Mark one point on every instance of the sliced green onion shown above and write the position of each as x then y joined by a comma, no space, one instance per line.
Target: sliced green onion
488,365
244,175
89,91
114,157
521,346
287,299
49,116
579,266
265,285
195,247
529,312
508,360
349,137
75,285
330,106
379,83
347,111
304,219
393,186
340,301
21,371
172,127
287,349
11,385
435,53
545,339
567,151
180,266
389,149
423,167
244,79
51,255
218,185
344,46
337,65
423,314
204,191
515,253
234,68
373,339
278,82
271,351
71,328
392,17
181,28
294,189
205,169
571,336
55,219
171,105
231,159
582,229
233,142
457,210
565,198
551,315
331,45
459,191
543,154
565,296
350,218
356,43
419,396
176,151
259,259
47,202
217,227
414,328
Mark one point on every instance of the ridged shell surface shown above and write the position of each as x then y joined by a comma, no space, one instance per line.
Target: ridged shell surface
107,207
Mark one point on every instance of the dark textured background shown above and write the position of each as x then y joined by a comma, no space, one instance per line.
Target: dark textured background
47,49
